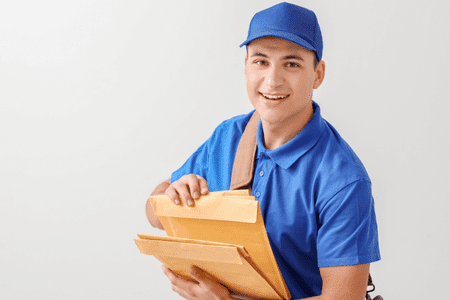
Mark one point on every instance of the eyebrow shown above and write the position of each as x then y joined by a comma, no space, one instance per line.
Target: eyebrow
285,58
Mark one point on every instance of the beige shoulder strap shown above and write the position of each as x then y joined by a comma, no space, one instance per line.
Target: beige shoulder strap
244,161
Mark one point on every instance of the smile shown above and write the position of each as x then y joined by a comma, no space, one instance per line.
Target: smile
269,97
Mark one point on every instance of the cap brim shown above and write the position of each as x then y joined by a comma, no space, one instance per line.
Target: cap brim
281,34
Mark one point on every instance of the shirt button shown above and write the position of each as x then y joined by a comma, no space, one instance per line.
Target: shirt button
258,194
261,173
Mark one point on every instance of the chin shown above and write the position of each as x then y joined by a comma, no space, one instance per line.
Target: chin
271,115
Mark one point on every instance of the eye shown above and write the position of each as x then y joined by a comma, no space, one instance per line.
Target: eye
292,64
261,62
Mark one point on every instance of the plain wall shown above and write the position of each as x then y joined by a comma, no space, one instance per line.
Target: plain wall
102,100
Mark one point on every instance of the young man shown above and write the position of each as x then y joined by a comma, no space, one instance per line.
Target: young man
314,193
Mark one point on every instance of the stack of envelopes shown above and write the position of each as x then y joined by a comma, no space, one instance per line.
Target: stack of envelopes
224,235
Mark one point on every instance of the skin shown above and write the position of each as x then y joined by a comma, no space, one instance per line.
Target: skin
273,67
277,67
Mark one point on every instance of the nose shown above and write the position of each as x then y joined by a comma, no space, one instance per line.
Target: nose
274,77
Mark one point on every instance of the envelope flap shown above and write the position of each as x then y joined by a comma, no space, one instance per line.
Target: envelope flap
144,236
210,207
189,251
232,193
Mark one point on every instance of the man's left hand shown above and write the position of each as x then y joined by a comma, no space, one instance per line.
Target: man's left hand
208,287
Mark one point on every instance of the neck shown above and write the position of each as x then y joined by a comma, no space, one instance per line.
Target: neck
278,134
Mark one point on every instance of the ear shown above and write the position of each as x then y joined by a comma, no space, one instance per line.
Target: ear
320,74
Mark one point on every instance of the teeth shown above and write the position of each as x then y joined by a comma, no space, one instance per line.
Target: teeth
274,97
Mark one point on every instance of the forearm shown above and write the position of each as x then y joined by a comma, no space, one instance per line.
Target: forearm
152,218
161,188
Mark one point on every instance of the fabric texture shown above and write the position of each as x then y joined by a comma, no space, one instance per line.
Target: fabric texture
314,192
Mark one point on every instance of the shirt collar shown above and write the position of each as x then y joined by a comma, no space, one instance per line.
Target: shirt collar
287,154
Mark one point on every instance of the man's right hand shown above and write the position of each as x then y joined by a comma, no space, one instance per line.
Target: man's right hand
187,189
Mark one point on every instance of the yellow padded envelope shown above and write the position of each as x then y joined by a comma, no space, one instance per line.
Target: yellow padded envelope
229,264
231,217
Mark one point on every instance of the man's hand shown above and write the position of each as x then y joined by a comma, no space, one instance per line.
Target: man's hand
187,188
207,289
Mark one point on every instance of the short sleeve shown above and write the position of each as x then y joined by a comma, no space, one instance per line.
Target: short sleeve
196,164
348,232
215,158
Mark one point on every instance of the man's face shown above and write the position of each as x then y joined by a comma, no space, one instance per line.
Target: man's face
280,79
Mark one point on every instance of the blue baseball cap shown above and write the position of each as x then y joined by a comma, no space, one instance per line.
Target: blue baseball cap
290,22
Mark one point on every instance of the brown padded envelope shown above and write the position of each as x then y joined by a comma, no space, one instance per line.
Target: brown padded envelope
229,264
228,217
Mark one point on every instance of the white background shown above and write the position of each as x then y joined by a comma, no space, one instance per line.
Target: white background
101,100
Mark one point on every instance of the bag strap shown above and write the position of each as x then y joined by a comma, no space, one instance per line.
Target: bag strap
370,283
243,168
244,162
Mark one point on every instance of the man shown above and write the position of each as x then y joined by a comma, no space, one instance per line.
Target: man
314,193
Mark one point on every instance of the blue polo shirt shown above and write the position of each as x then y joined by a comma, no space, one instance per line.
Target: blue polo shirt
315,197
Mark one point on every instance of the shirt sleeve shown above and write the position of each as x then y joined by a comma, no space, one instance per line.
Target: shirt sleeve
348,233
196,164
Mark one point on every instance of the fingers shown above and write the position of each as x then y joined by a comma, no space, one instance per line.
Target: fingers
181,292
194,186
182,287
174,279
208,283
200,275
203,185
171,192
207,288
187,188
179,190
204,278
